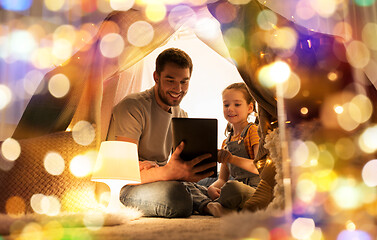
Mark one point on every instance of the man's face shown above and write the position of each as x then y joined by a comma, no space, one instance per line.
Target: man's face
172,85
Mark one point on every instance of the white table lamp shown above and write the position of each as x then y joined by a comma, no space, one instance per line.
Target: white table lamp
117,165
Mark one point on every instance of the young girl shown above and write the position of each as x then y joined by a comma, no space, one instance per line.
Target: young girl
237,153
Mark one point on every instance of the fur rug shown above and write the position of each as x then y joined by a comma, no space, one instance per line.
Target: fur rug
263,223
90,219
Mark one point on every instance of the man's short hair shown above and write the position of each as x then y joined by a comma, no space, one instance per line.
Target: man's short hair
173,55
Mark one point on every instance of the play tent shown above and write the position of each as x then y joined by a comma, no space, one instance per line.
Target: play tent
319,61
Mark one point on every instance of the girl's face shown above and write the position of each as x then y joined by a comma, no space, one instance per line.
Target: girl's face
235,107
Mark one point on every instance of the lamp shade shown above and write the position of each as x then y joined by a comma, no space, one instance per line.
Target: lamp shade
117,160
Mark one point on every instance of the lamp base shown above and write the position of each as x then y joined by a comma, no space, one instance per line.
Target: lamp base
115,205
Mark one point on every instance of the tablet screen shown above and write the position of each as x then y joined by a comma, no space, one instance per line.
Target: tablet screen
200,137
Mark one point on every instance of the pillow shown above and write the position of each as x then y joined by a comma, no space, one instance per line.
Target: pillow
31,184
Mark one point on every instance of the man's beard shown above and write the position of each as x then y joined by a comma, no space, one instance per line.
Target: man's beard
165,100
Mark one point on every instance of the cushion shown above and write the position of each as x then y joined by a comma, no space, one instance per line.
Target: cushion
26,186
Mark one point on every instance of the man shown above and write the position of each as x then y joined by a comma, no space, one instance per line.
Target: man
145,119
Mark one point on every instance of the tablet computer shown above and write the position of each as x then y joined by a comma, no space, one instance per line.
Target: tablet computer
199,136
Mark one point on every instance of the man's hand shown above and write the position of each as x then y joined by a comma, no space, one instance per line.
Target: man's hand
145,165
224,156
214,192
179,169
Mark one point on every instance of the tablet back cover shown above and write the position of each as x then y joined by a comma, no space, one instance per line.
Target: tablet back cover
199,136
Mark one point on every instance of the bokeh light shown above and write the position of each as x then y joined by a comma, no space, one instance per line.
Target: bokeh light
207,28
346,194
352,235
324,8
10,149
291,86
302,228
53,230
181,14
155,12
283,38
276,72
345,148
364,108
267,20
369,35
365,3
13,5
50,205
306,190
54,5
81,165
61,50
22,44
368,139
346,119
67,32
304,154
369,173
338,109
304,110
15,205
54,163
58,85
225,12
5,96
121,5
325,163
32,230
140,34
83,133
304,10
234,37
31,81
42,58
36,203
112,45
358,54
332,76
344,30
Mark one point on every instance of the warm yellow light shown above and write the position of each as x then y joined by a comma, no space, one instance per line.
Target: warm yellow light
81,165
83,133
302,228
5,96
117,165
10,149
332,76
304,110
59,85
112,45
155,12
54,163
140,33
338,109
369,173
350,226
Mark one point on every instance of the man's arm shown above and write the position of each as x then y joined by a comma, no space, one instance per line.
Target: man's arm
176,168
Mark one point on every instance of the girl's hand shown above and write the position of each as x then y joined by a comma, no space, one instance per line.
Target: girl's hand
214,192
224,156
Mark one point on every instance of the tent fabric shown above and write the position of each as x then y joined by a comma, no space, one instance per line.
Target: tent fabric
93,76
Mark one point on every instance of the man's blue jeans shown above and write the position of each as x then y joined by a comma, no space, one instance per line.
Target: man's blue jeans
160,199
